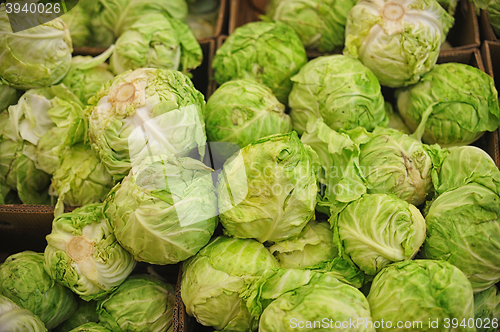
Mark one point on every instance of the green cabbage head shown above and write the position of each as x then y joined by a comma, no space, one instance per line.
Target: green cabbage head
396,163
36,57
15,319
267,191
453,104
291,300
83,254
487,309
87,74
269,52
78,22
377,230
463,228
461,165
398,40
421,290
80,179
341,91
85,313
142,113
213,279
141,303
319,24
156,41
165,211
24,281
119,15
243,111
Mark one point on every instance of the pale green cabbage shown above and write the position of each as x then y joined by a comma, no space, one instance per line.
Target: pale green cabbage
84,314
291,300
267,191
399,40
164,211
156,41
269,52
487,310
36,57
15,319
421,291
143,113
341,91
463,228
83,254
24,281
320,24
87,74
453,104
377,230
91,327
213,279
78,22
141,303
241,112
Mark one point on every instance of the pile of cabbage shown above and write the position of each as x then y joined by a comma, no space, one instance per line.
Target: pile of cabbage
296,196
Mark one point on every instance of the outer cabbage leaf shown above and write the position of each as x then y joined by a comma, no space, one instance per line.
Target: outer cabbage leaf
421,291
15,319
83,254
267,191
35,57
463,228
269,52
165,211
141,303
24,281
319,24
156,41
8,96
213,278
243,111
341,91
453,104
143,113
376,230
398,40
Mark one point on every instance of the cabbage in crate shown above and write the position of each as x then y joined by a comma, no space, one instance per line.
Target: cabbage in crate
24,281
419,292
296,300
213,279
341,91
36,57
164,211
399,40
120,15
269,52
453,104
143,113
320,24
267,191
16,319
141,303
83,254
242,111
156,41
377,230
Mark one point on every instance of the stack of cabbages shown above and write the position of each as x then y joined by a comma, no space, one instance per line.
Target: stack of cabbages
334,207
